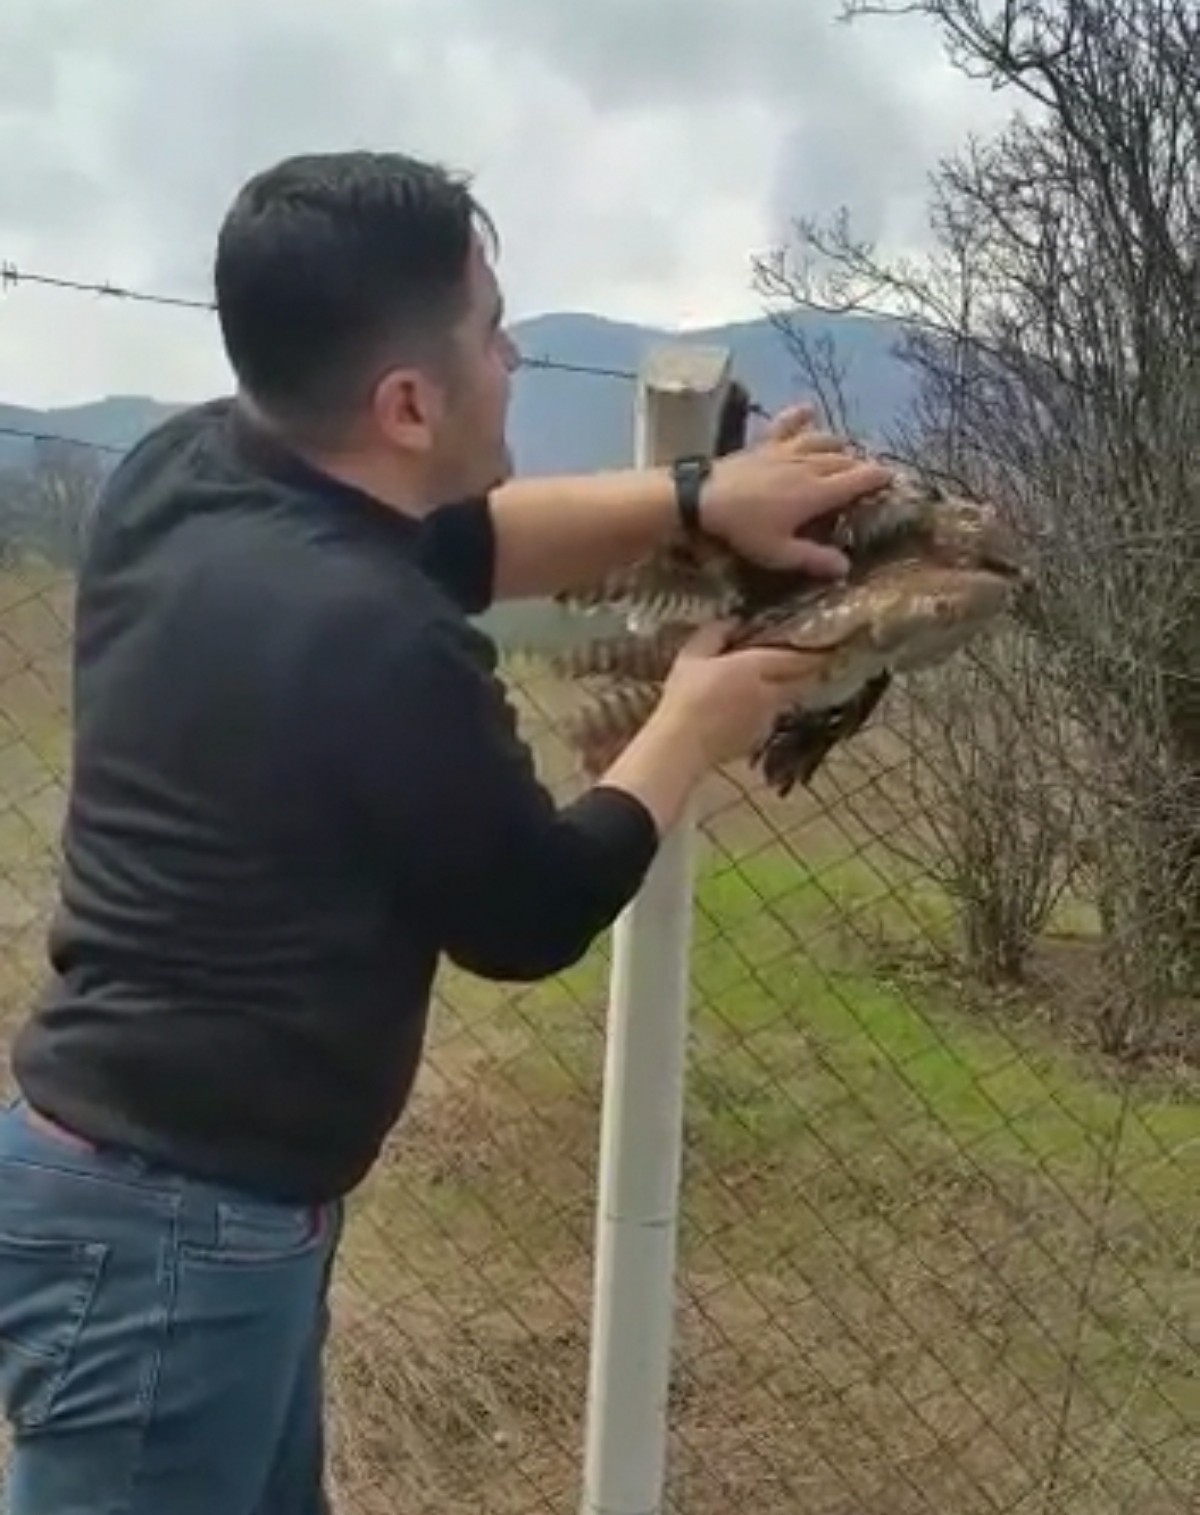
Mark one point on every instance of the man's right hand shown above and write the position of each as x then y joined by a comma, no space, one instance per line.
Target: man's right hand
759,500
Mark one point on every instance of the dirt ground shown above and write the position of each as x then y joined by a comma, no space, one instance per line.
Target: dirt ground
856,1336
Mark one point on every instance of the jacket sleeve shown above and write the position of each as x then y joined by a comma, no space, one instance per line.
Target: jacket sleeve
512,886
457,549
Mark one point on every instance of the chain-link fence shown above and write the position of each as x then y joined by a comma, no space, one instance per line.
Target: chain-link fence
939,1248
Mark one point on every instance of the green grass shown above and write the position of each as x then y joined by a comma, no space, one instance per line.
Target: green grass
924,1243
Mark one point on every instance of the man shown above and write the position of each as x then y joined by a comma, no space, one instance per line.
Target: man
297,784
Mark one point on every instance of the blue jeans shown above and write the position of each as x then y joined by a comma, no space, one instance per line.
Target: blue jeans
161,1339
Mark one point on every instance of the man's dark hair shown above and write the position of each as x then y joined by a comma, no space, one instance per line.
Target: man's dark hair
331,266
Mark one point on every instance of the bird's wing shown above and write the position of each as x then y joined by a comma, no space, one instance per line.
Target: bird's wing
801,739
628,657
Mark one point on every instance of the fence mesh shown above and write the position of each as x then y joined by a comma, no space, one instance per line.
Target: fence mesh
938,1248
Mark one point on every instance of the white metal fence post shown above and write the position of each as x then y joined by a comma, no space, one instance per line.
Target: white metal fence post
680,391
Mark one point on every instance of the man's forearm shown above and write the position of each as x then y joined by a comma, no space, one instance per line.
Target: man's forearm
562,533
660,768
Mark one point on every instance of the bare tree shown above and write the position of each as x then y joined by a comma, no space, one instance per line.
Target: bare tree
1056,333
53,499
990,771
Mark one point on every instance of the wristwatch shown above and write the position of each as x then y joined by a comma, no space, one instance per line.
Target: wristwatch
690,474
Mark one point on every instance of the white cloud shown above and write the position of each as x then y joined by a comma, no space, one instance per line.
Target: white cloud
635,154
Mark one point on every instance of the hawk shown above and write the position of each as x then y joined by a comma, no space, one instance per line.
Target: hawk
929,571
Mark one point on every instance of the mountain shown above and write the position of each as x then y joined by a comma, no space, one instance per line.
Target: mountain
567,421
114,422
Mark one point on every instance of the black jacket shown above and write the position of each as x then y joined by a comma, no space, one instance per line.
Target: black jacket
297,782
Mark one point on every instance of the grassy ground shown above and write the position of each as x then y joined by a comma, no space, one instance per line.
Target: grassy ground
929,1260
932,1257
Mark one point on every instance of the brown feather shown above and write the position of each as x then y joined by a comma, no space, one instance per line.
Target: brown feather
609,721
627,657
802,739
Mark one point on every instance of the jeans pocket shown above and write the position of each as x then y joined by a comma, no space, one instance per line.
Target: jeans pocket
249,1232
47,1286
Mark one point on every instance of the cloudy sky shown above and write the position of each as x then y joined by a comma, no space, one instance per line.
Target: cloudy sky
636,153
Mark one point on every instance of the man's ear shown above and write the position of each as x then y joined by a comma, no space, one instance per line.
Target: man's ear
408,408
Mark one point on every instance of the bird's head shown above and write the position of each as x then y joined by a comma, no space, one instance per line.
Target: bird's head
974,534
916,517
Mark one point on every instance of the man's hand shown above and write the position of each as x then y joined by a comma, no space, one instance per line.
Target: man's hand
715,707
758,500
554,534
728,702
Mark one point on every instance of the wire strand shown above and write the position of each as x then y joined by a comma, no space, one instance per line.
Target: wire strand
12,276
27,435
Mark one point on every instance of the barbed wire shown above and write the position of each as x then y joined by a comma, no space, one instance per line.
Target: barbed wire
12,275
559,365
27,434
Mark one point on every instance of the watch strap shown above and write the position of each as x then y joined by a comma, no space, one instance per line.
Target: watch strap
690,474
